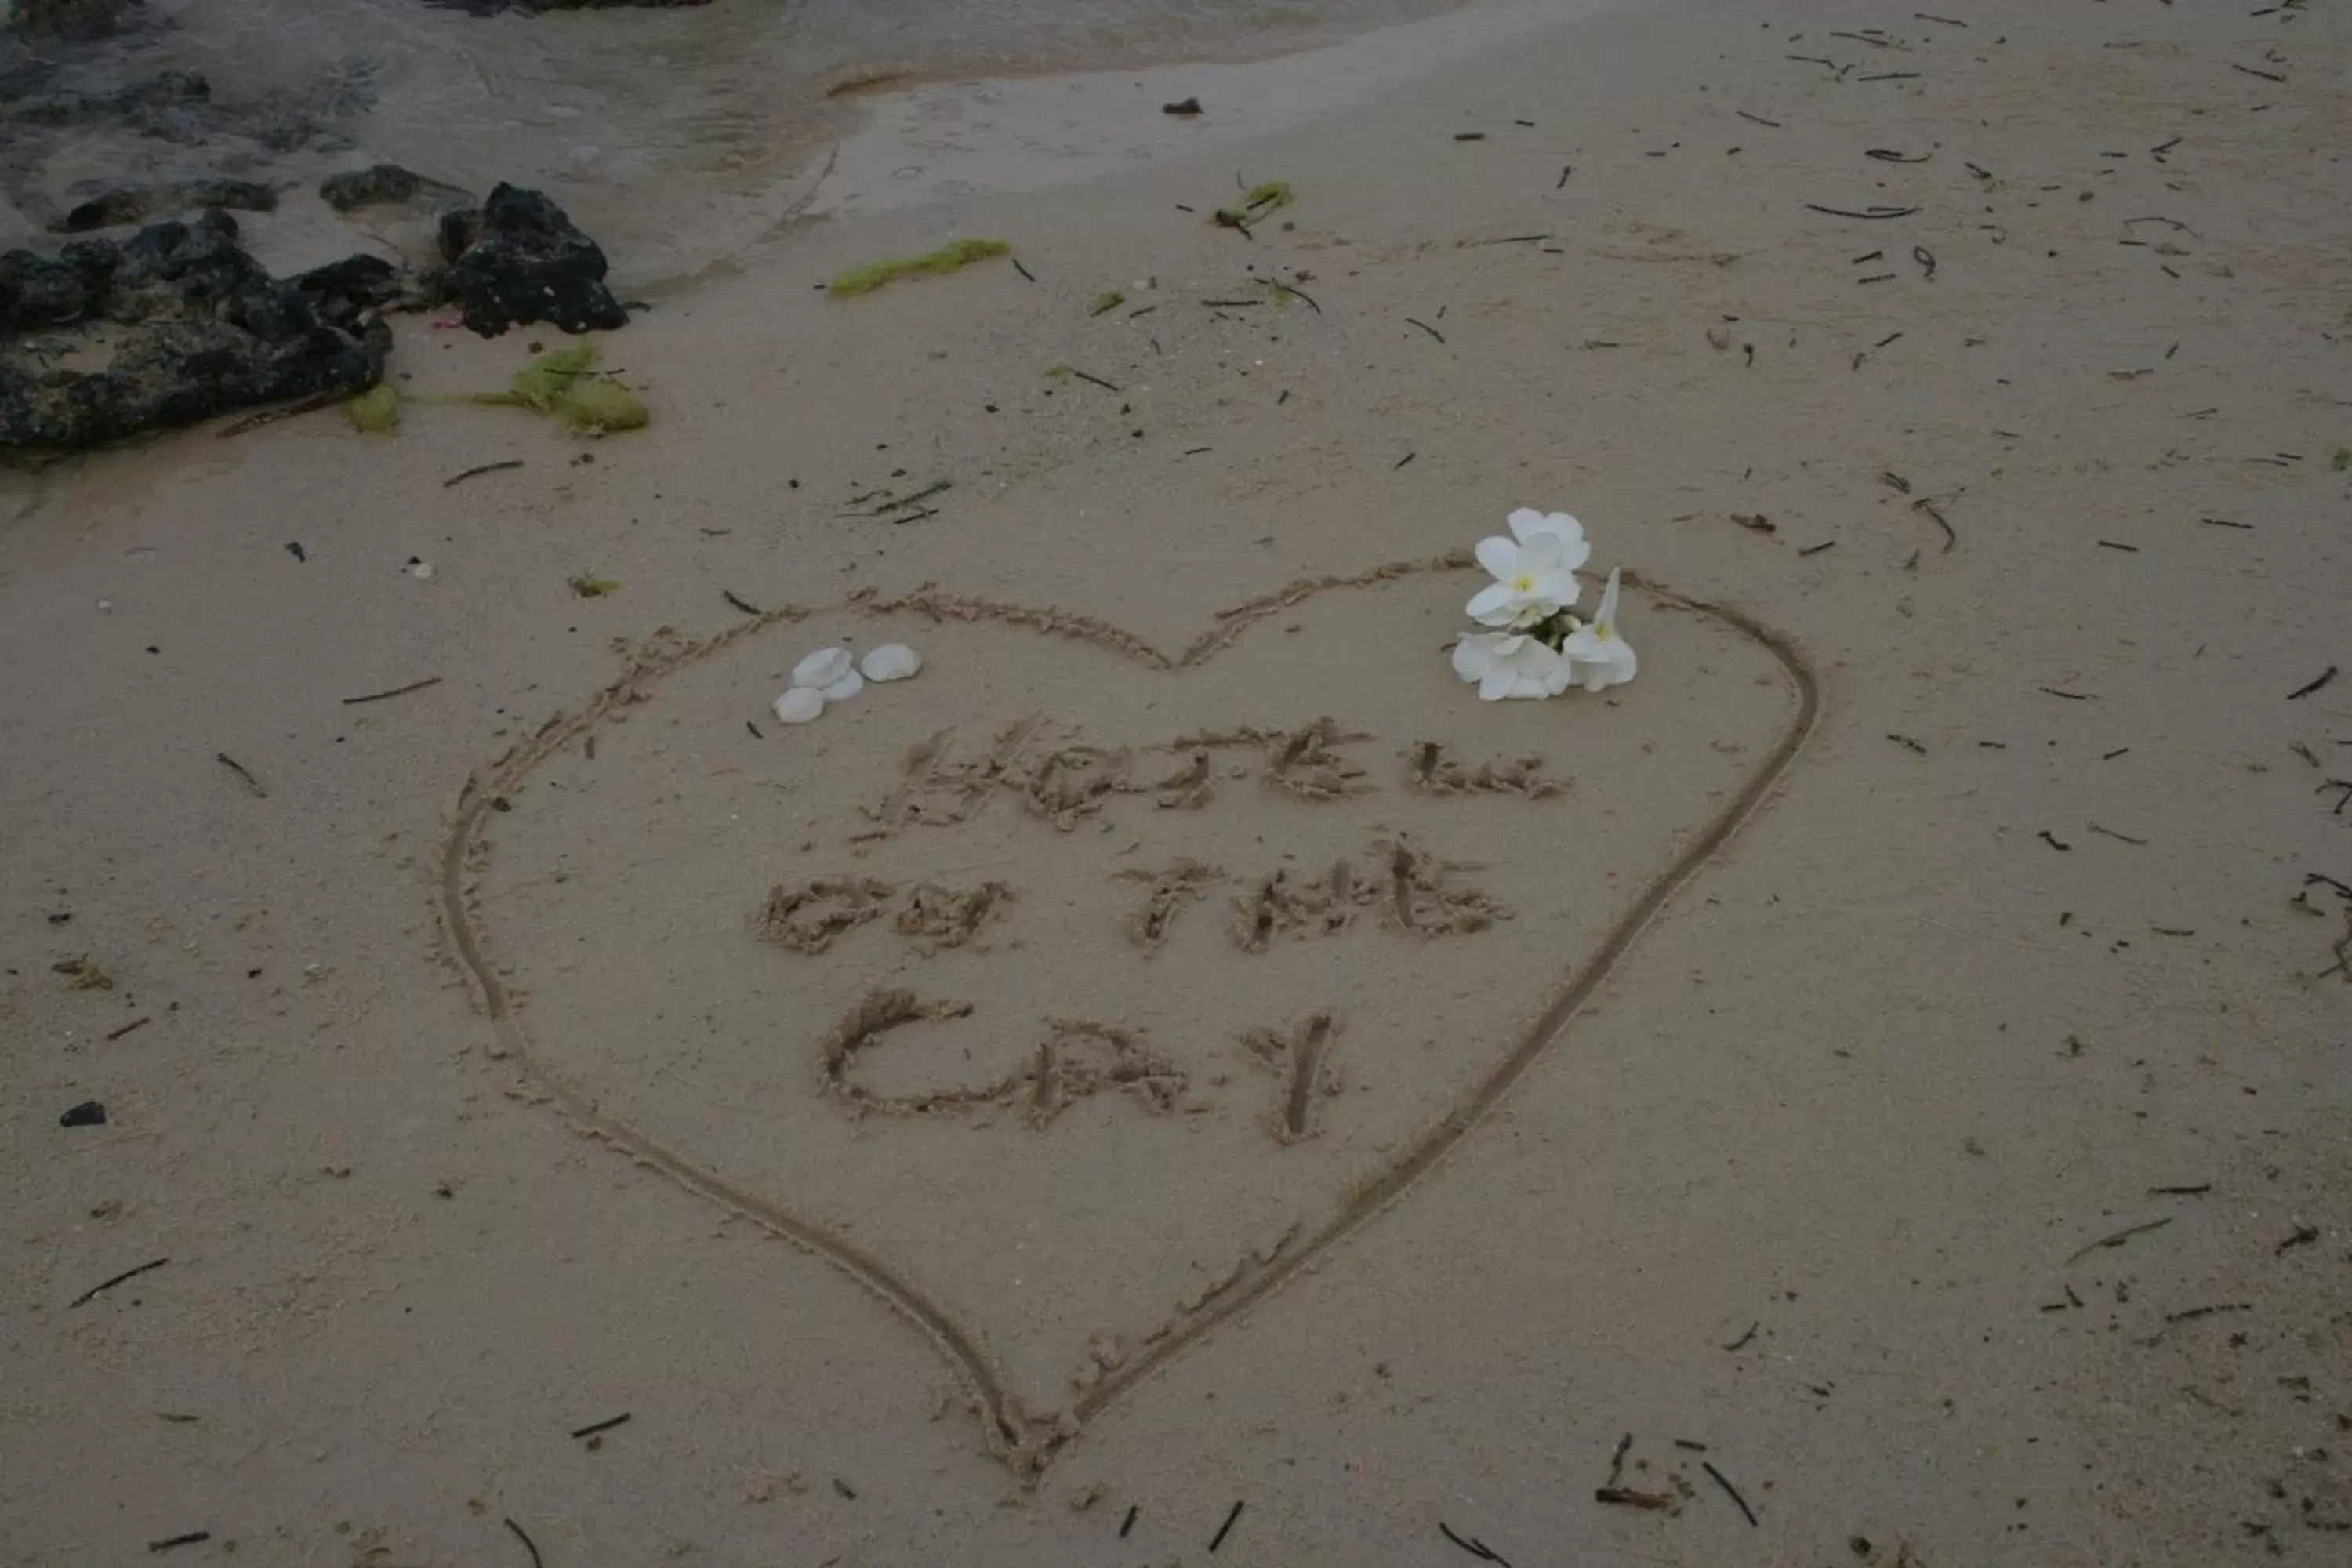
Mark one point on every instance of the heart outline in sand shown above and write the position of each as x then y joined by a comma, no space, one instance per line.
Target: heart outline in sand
1026,1441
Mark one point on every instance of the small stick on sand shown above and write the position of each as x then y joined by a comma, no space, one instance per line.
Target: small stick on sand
2117,1239
1475,1547
748,609
2309,687
396,691
92,1294
1425,326
1730,1491
527,1544
1226,1529
240,770
460,479
1923,504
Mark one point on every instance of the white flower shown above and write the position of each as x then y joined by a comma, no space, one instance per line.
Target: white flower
1531,581
1526,523
1601,657
842,690
799,705
891,661
823,668
1509,664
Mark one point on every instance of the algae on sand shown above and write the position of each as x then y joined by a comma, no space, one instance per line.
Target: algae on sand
1255,203
560,383
376,412
946,258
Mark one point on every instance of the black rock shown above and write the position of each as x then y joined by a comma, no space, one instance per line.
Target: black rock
128,203
341,290
75,21
209,332
38,293
389,184
88,1113
519,259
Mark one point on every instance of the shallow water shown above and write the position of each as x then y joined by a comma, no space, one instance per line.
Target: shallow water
674,135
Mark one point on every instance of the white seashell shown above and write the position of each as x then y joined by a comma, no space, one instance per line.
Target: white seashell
823,668
891,661
799,705
847,686
422,570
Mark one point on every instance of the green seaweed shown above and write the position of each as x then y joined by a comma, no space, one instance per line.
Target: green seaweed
2343,459
1255,203
1108,300
946,258
593,587
376,412
600,408
558,383
540,385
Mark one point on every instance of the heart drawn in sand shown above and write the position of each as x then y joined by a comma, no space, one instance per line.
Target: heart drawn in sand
1075,996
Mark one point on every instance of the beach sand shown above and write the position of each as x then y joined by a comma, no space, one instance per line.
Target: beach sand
1874,1089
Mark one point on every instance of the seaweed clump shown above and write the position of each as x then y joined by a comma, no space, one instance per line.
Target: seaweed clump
946,258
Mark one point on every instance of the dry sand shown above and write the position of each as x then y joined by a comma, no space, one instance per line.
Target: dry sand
2024,947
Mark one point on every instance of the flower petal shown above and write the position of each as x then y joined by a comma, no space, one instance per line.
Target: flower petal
1541,553
1498,555
1608,613
1492,606
1524,522
1473,657
1497,684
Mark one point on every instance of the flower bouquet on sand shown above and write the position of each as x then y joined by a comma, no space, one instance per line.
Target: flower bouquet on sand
1536,647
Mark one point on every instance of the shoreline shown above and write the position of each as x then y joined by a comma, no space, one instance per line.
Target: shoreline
1895,1172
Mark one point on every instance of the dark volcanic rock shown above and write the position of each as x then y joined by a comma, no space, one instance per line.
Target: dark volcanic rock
209,331
389,184
519,259
128,203
75,21
38,293
342,290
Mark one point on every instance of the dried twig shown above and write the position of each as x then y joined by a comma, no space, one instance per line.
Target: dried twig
92,1293
396,691
240,770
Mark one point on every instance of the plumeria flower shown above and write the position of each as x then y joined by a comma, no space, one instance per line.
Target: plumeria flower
1510,664
1526,523
1532,581
1601,657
